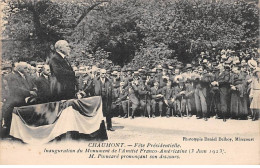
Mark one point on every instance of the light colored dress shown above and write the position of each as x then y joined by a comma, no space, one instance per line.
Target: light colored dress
255,92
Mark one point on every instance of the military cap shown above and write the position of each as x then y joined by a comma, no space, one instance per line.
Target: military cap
153,70
178,66
159,67
136,73
202,53
114,73
205,61
188,66
252,63
228,62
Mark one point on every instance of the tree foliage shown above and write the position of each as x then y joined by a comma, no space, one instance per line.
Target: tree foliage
129,31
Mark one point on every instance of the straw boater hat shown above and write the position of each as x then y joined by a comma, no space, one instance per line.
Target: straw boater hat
252,63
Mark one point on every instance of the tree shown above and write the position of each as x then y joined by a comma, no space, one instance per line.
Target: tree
126,31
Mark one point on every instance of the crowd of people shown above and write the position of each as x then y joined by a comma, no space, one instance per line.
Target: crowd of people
225,87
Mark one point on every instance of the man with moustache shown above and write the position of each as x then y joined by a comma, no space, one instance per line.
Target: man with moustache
22,91
104,88
63,78
43,85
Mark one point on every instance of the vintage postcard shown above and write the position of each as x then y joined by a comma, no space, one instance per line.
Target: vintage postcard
130,82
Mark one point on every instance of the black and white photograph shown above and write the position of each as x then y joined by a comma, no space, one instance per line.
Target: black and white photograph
130,82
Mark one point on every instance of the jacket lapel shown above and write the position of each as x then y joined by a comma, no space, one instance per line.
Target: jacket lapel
22,80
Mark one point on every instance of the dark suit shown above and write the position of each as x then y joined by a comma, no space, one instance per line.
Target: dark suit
105,91
168,95
224,89
19,89
155,100
44,90
119,96
63,78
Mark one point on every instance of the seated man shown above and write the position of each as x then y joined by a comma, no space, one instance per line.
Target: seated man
145,98
157,97
120,95
133,96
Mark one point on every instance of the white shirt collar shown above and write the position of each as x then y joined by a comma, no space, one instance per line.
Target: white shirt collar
45,76
102,80
21,74
61,54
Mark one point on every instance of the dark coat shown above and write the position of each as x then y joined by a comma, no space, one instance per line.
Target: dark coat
19,88
155,92
63,78
107,97
44,90
167,92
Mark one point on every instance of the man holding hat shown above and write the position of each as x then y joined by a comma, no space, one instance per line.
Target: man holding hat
104,88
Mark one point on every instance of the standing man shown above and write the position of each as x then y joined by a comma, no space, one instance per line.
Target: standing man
63,78
22,91
38,72
224,89
168,97
43,85
104,88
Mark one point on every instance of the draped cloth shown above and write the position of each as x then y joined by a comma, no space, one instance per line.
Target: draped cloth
42,123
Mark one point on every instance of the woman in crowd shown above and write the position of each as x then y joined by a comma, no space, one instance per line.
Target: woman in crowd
255,94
